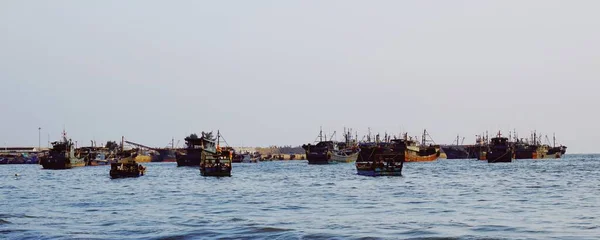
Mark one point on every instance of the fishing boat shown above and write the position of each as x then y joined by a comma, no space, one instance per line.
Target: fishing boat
381,158
321,152
347,151
530,148
524,150
215,160
127,167
456,151
344,156
481,147
422,152
100,159
93,155
62,155
193,152
165,155
247,157
500,150
555,151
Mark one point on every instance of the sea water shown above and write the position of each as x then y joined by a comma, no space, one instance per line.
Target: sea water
463,199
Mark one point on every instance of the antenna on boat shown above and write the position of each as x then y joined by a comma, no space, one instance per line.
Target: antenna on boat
553,139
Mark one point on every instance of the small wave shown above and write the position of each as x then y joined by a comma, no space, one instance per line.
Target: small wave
2,222
236,220
107,224
494,228
418,232
271,230
292,208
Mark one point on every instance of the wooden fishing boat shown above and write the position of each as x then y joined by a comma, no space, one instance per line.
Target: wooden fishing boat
346,151
127,167
421,152
216,161
455,151
62,155
192,156
320,153
500,150
381,158
555,151
344,156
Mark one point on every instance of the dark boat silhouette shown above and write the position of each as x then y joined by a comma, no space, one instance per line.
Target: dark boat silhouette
216,160
321,152
500,150
381,158
62,155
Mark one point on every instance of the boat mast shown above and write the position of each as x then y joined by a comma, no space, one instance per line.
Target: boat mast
321,134
553,139
423,139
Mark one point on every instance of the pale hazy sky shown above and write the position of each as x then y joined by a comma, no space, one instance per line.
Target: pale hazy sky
272,72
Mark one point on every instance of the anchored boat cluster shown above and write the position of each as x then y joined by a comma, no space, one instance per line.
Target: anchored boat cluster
373,155
386,156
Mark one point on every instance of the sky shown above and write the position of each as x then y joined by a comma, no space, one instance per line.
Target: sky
274,72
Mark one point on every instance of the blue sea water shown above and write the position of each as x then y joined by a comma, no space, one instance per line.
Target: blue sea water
449,199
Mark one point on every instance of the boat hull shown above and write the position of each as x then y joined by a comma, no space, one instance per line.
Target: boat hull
126,170
552,156
99,162
188,162
453,152
57,163
320,153
124,174
165,155
319,158
191,159
367,170
415,157
499,157
143,159
381,159
482,156
215,171
344,158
